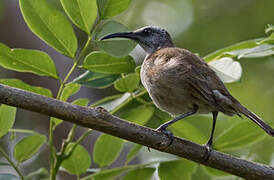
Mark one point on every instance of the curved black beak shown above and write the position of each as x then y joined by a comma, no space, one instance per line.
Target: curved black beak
128,35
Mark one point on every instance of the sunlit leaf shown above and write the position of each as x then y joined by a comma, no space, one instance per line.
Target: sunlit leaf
103,63
7,118
78,162
21,85
96,80
107,148
81,102
81,12
69,91
49,24
28,146
24,60
238,136
176,170
128,83
139,174
110,8
227,69
117,47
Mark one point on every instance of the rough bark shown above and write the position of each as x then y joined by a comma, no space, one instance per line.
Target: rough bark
101,120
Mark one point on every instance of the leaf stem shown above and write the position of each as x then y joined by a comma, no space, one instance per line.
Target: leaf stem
133,96
79,141
22,131
12,164
55,160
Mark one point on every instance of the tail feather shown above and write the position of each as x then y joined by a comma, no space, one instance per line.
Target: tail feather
269,130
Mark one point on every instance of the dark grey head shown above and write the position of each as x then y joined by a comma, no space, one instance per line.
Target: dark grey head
150,38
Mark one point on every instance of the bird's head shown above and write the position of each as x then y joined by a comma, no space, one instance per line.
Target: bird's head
149,38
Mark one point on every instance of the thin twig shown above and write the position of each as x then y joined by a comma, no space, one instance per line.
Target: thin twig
11,163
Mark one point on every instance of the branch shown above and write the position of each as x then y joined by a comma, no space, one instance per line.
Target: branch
99,119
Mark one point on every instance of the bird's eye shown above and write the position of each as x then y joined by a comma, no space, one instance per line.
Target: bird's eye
147,31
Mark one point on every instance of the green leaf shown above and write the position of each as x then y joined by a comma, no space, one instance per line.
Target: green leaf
117,47
28,146
111,105
78,162
107,174
81,102
176,170
187,130
233,50
133,152
7,118
105,100
81,12
107,148
139,174
24,60
247,49
128,83
69,91
103,63
258,51
139,115
238,136
138,70
214,172
96,80
22,85
8,177
110,8
50,25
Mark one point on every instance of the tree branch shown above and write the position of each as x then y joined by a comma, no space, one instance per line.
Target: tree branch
99,119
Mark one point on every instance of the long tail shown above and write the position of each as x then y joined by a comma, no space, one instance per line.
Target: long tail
269,130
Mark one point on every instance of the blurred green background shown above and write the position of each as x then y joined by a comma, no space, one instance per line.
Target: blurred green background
197,25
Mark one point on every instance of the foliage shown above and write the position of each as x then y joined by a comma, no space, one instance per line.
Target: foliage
108,63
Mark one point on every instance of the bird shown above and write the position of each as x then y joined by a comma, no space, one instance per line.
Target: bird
181,83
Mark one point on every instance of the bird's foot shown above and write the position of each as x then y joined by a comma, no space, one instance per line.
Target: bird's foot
208,147
168,133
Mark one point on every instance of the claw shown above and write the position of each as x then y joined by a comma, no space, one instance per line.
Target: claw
208,150
168,133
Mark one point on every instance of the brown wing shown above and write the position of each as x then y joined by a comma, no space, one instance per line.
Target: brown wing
203,83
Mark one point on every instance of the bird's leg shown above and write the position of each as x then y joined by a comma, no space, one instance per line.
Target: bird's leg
210,141
169,134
